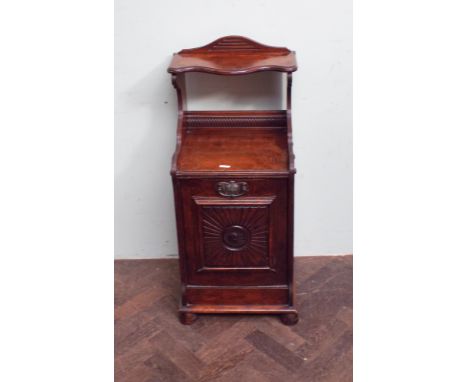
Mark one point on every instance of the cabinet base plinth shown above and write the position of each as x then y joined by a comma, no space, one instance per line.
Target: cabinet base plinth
187,318
188,314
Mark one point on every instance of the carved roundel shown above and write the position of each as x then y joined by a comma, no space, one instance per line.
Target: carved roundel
236,237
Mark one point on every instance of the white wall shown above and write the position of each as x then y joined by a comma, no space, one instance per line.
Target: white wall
148,32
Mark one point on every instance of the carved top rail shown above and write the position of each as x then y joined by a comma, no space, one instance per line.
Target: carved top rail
232,55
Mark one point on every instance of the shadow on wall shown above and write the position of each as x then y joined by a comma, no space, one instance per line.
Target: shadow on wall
145,126
263,91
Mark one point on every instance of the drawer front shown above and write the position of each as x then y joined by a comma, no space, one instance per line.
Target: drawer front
235,231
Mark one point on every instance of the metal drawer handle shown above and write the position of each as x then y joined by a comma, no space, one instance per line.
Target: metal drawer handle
232,188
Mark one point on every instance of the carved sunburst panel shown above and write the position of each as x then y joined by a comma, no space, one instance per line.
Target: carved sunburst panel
236,236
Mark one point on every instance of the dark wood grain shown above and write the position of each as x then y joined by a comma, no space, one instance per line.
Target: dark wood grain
233,55
227,150
233,177
274,350
151,345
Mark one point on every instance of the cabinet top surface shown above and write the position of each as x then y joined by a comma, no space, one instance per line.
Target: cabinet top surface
232,55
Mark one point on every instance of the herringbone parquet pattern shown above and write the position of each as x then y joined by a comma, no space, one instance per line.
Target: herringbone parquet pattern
152,346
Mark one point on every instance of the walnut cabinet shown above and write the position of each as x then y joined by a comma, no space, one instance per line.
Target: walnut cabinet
233,177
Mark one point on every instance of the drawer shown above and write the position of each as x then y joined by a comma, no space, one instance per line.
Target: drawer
235,231
232,188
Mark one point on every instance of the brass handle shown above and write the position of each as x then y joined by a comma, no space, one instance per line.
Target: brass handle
232,188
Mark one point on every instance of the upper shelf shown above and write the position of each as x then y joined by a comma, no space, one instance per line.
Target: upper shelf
233,55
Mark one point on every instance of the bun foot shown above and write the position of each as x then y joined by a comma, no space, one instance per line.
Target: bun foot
289,318
187,318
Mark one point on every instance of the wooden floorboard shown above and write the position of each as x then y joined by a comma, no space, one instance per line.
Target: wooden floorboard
152,346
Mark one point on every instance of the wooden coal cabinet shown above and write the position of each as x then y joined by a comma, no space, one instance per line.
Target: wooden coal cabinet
233,177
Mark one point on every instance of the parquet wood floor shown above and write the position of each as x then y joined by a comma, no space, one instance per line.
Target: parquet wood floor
152,346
